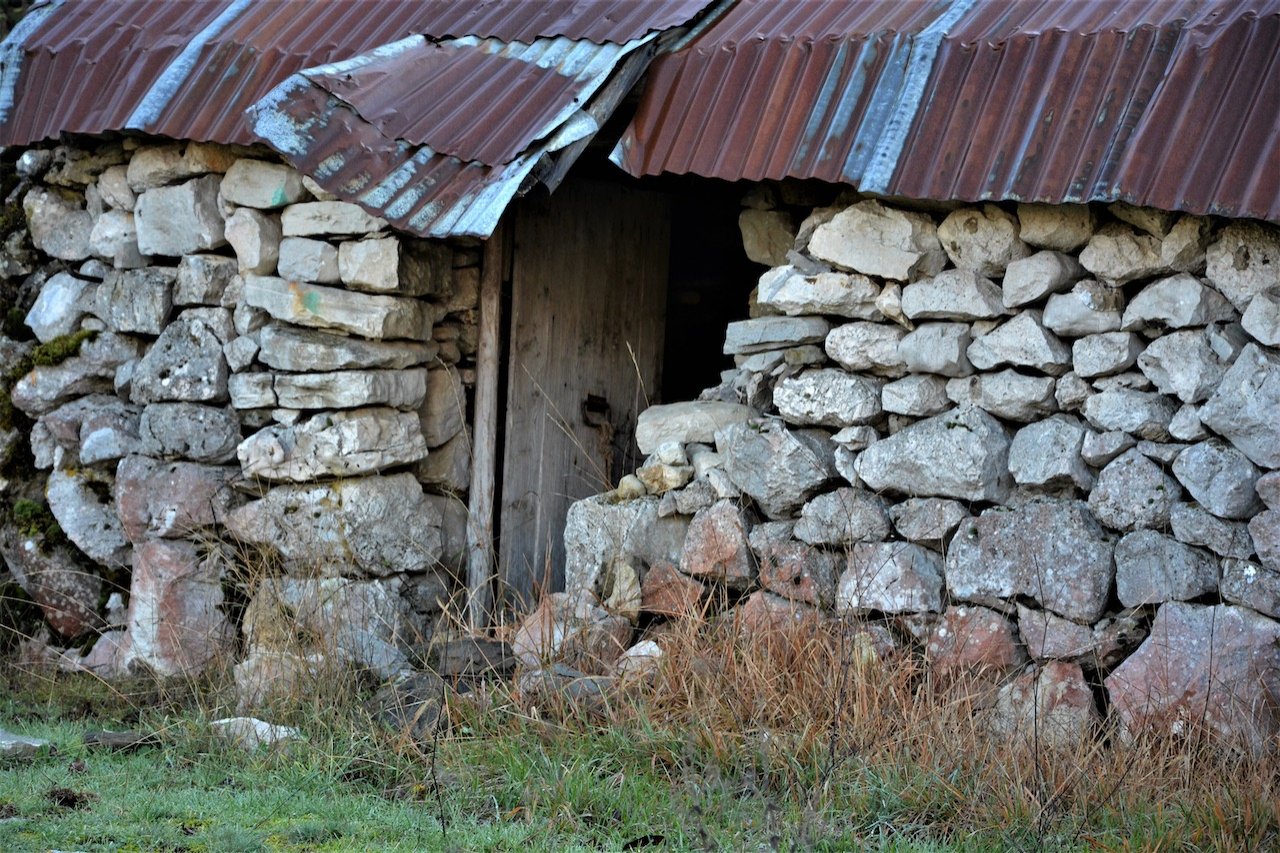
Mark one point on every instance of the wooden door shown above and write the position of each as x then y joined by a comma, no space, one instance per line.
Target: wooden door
589,280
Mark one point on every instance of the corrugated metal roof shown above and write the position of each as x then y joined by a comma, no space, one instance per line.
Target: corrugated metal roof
1170,103
190,69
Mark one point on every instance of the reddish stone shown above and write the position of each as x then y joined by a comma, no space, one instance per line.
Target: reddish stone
716,546
1212,664
766,613
974,639
66,592
1053,707
175,624
666,592
798,571
171,499
573,630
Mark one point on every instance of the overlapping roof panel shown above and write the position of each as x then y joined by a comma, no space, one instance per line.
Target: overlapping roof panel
1162,102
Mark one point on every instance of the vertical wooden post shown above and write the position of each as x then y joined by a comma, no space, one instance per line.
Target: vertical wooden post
480,553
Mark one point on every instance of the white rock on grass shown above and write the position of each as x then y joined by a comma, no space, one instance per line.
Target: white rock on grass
1031,279
982,239
1132,493
1262,318
1063,227
249,733
1220,478
368,315
953,295
1089,308
1118,254
1047,454
829,293
940,348
827,397
1021,342
961,454
867,348
1184,365
255,237
1243,409
257,183
877,240
180,220
1139,413
1176,303
1245,261
336,444
1105,354
688,422
318,218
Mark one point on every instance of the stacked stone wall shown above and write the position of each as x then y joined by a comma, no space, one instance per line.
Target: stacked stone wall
247,372
1037,442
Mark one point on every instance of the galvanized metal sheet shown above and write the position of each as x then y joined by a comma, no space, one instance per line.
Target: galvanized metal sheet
1162,102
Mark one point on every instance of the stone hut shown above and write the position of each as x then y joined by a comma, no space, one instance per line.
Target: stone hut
1000,371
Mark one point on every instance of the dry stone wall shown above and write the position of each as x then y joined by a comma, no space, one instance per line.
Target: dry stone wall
263,396
1037,442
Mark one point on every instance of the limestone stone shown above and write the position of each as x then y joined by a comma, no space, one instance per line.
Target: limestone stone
249,733
1186,426
1227,340
1183,364
1089,308
716,546
251,391
47,387
660,478
176,623
392,265
1072,392
240,352
1220,478
1183,248
14,746
136,300
114,238
1048,636
789,292
185,364
81,502
299,350
1007,394
890,577
918,396
1062,227
358,622
202,279
780,468
598,531
1105,354
1268,488
1151,220
982,239
257,183
1021,342
1245,261
377,526
61,304
74,166
54,577
1160,451
687,422
444,407
961,454
1132,492
58,223
448,467
763,615
974,639
1195,525
843,517
1139,413
1050,707
305,259
180,220
318,192
877,240
350,389
937,348
867,347
156,165
1254,586
1211,665
1049,549
666,592
92,429
334,444
1152,567
953,295
770,333
792,569
170,500
641,661
189,431
255,237
113,186
1243,409
1047,454
1176,302
312,218
929,521
1032,278
767,235
1099,448
574,630
1264,530
1262,318
827,397
1118,254
368,315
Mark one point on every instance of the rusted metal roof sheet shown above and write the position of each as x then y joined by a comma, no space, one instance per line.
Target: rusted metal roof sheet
1170,103
190,69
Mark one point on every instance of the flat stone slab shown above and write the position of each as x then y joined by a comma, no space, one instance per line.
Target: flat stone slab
368,315
334,444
